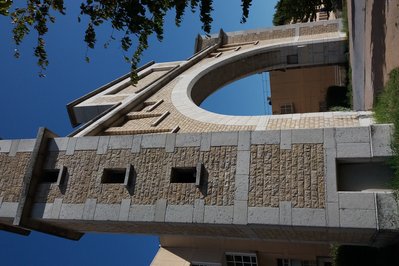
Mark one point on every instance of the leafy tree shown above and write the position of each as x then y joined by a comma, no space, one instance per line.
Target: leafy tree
293,11
5,6
137,19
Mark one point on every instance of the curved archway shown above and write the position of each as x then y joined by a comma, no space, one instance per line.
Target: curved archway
200,82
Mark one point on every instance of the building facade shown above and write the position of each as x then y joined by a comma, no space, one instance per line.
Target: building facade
217,189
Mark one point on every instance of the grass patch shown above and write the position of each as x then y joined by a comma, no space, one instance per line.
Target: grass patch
386,110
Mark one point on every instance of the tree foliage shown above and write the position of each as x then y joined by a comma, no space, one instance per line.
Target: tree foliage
293,11
4,7
137,20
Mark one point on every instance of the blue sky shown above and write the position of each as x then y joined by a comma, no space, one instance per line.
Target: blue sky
29,102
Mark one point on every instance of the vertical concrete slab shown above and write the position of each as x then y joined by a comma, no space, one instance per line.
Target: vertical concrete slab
8,209
71,146
224,139
241,187
124,211
89,209
5,146
353,150
263,215
71,212
153,141
170,143
160,210
352,135
179,213
329,138
381,140
332,214
31,178
309,217
356,200
357,218
107,212
87,143
55,212
58,144
266,137
199,209
188,140
14,147
136,145
26,145
219,214
243,162
285,213
244,141
240,212
330,174
205,142
102,147
286,139
142,213
307,135
120,142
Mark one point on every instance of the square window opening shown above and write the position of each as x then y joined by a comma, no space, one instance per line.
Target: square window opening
183,175
292,59
50,176
113,176
364,175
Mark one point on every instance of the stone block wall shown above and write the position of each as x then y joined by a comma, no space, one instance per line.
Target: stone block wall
295,175
152,168
12,171
253,178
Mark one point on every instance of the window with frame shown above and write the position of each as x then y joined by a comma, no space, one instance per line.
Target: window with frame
192,174
287,108
292,262
125,176
205,264
241,259
54,176
113,176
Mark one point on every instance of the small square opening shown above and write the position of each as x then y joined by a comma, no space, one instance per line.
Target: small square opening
50,176
113,176
183,175
292,59
363,175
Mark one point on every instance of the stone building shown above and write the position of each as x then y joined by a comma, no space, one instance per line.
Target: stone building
217,189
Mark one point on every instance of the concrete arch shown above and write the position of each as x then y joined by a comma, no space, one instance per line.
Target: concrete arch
194,86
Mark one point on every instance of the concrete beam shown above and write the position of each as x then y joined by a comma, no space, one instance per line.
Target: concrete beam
31,179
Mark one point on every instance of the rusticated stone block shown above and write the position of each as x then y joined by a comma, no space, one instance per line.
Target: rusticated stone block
295,175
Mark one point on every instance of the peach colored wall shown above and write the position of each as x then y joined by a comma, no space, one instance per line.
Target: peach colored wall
183,250
305,87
